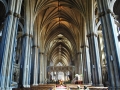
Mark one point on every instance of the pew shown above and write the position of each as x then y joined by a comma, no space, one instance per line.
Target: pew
50,86
98,88
39,87
89,88
75,87
21,89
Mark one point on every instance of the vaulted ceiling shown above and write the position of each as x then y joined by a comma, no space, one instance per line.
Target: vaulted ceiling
61,26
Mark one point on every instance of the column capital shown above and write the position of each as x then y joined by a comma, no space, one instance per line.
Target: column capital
35,46
84,46
92,34
9,13
26,34
100,14
17,15
30,35
79,52
108,11
41,52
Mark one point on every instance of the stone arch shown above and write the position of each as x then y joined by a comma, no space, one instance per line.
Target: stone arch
3,9
5,4
116,9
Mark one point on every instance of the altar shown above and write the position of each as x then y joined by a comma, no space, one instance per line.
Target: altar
61,82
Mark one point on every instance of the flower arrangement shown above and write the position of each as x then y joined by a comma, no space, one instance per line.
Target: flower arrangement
79,76
76,75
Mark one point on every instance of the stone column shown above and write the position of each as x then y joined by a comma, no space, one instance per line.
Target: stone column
57,76
8,39
95,59
45,66
80,63
109,30
53,73
5,44
38,66
24,79
34,68
34,64
28,71
64,76
73,75
41,81
49,76
86,65
25,63
76,66
13,40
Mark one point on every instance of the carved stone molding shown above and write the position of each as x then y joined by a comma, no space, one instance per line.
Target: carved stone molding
26,34
101,14
78,52
92,34
35,46
84,46
9,13
108,11
17,15
41,52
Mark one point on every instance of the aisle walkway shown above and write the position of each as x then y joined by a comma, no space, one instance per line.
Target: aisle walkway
61,87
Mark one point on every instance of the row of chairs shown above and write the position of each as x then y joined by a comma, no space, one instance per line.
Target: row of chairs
69,87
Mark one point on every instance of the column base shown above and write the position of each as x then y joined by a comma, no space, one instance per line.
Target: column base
40,83
7,88
89,84
100,85
26,86
34,84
